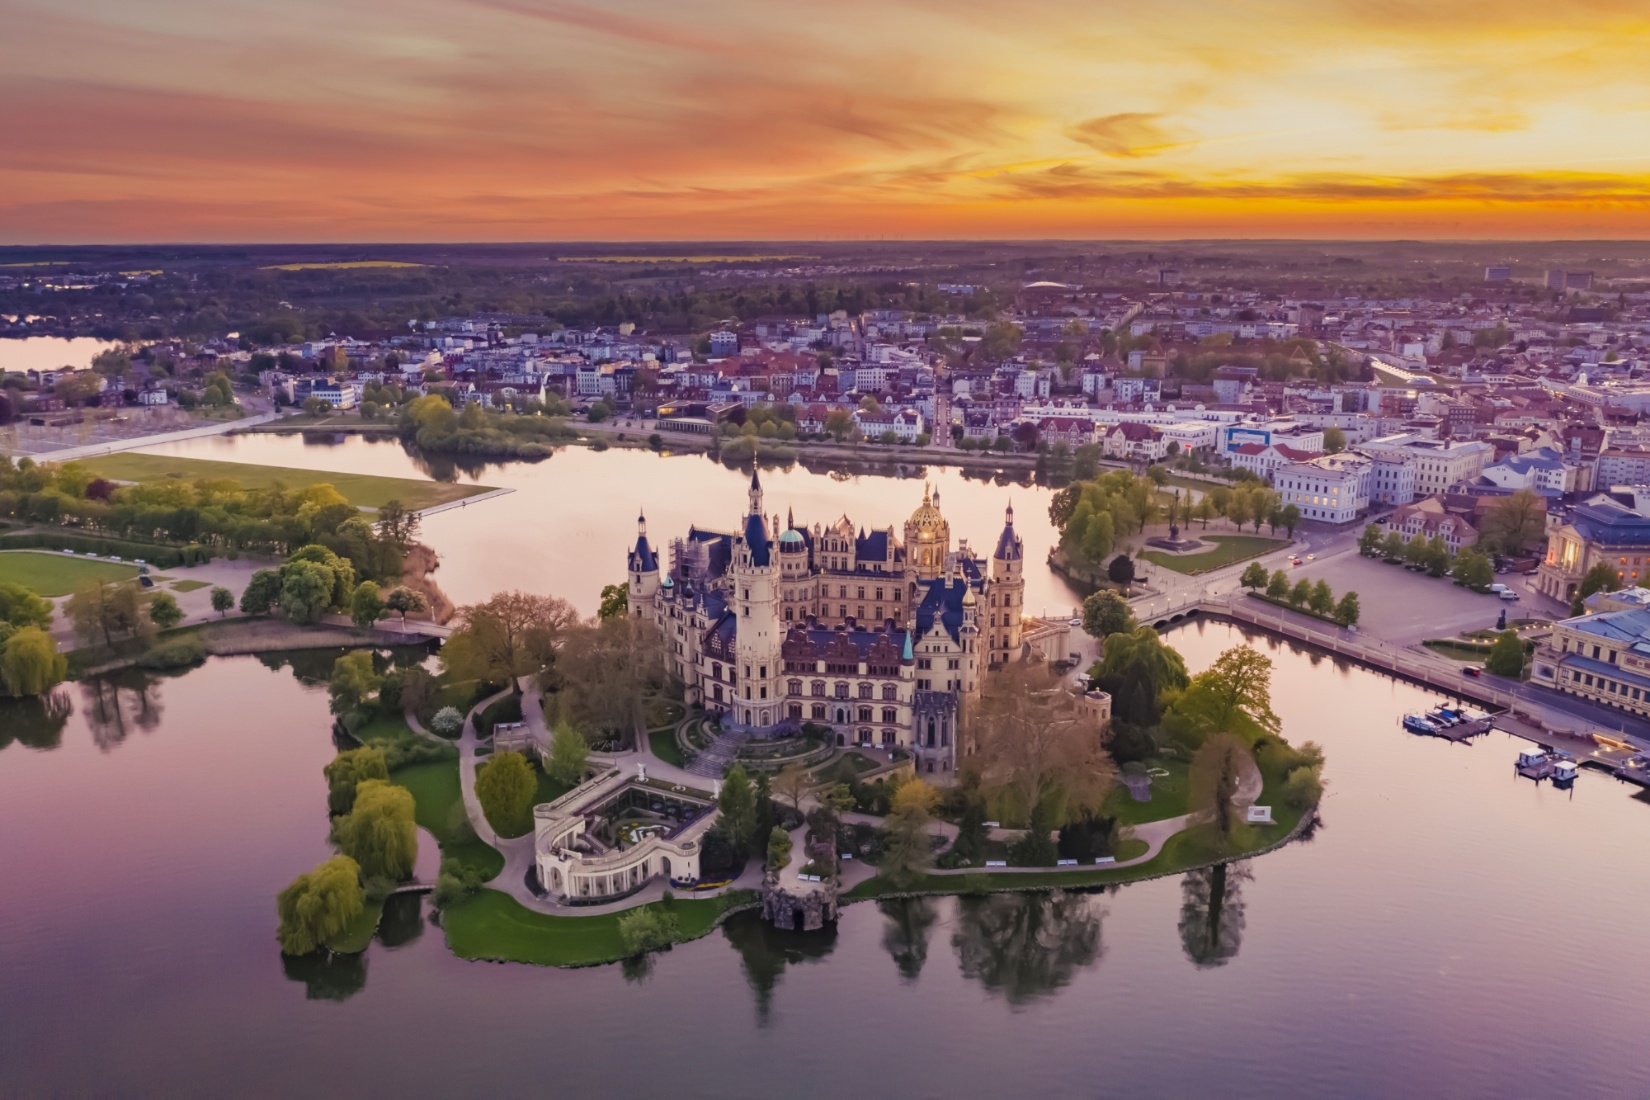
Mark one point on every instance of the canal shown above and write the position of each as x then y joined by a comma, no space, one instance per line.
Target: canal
1446,930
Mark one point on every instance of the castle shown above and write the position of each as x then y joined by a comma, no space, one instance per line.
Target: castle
876,638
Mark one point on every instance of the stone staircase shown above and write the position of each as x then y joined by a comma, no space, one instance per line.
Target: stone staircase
713,762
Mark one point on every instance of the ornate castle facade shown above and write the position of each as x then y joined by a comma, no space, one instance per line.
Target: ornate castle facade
877,638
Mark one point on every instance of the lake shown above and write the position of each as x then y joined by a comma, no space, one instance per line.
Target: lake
49,352
566,527
1448,930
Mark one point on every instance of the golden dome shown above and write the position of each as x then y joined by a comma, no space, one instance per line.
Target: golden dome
926,522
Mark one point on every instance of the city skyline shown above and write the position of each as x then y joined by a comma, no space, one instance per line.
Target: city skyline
552,120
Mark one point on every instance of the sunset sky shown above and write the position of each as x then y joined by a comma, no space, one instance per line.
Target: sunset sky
426,120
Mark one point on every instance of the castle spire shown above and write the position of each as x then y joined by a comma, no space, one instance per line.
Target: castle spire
756,493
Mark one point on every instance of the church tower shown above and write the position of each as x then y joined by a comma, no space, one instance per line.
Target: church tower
1008,595
758,633
644,573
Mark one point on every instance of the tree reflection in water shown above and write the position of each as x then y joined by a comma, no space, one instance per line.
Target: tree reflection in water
36,722
1026,946
765,952
403,920
905,936
118,703
1211,913
326,976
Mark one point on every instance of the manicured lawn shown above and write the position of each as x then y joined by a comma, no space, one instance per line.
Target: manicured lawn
549,789
361,490
1458,651
1169,796
439,809
491,925
355,939
663,743
190,586
54,575
1227,550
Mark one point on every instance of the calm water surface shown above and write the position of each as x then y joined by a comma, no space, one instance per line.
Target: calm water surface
1449,930
568,524
49,352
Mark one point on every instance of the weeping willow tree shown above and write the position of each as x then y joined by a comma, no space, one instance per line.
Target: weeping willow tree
319,905
379,833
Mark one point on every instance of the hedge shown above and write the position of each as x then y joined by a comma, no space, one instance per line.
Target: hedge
157,554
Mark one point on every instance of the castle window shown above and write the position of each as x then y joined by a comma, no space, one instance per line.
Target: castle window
864,691
794,687
890,692
864,714
819,710
818,689
889,714
841,689
888,737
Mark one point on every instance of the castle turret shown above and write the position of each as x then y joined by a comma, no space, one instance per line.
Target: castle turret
927,540
644,572
1006,607
754,599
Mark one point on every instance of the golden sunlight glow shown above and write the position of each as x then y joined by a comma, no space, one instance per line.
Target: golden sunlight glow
770,119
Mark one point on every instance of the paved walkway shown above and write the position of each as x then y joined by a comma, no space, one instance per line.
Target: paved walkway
109,447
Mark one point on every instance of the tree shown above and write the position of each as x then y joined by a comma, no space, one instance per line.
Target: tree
1277,586
30,663
569,755
1346,612
1137,668
353,682
792,784
164,611
1301,593
649,928
1415,551
1602,577
1106,613
1392,547
106,609
1121,570
1211,913
447,722
907,851
404,601
21,607
396,525
779,848
839,423
1473,570
1215,778
348,770
262,592
1334,441
1322,600
319,905
1506,656
1369,543
1232,695
223,600
379,832
306,591
366,607
1290,517
1254,576
737,803
611,674
511,635
506,789
615,601
1437,557
1033,743
1516,521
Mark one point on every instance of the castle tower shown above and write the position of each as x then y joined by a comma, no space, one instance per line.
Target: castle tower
758,632
927,540
1006,606
643,567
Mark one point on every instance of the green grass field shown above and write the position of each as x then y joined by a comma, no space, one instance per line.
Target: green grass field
361,490
1170,796
1227,549
665,747
355,939
492,925
439,809
189,586
54,575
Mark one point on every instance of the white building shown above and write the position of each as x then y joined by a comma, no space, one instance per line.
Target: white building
1328,489
1439,463
1392,477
